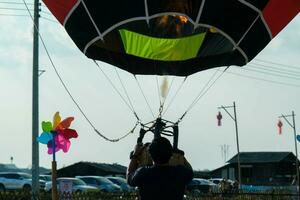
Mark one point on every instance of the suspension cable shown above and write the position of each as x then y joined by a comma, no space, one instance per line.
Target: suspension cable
203,91
68,91
164,99
159,97
174,96
116,90
141,90
126,93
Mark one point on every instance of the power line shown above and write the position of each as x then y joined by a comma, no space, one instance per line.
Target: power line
261,79
274,69
15,9
15,15
47,13
51,20
280,64
269,73
14,3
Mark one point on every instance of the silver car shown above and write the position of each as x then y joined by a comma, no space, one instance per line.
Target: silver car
77,185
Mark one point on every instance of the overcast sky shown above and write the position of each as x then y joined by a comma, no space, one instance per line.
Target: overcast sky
261,94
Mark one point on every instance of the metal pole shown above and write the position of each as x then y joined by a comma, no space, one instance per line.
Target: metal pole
237,138
237,145
35,102
295,138
54,171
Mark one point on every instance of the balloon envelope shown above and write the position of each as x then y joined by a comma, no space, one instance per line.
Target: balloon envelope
173,37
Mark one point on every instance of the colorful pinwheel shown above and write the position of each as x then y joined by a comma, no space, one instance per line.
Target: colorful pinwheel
57,136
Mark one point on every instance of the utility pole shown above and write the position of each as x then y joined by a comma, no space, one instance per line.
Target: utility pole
35,101
234,118
295,140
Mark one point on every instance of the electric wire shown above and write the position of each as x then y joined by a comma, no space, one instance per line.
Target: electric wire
261,79
14,15
50,20
279,67
269,73
15,9
274,69
47,13
14,3
279,64
69,93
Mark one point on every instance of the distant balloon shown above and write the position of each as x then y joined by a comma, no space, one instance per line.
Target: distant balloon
173,37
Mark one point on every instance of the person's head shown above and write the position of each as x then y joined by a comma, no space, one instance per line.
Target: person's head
160,150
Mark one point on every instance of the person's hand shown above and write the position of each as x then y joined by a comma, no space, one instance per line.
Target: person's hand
177,159
145,157
142,154
138,149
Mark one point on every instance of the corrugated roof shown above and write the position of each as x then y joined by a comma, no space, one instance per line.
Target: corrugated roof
263,157
114,168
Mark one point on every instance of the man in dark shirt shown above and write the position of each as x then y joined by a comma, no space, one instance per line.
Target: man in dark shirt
166,178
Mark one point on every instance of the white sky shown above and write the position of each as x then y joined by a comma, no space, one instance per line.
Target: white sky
259,103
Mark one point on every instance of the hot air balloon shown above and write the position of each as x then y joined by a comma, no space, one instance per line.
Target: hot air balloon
172,37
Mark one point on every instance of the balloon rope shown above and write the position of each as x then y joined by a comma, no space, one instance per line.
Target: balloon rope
159,97
203,91
176,93
168,92
141,90
66,88
115,88
126,93
120,138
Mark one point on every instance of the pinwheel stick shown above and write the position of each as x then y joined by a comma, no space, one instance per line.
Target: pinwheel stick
54,146
54,172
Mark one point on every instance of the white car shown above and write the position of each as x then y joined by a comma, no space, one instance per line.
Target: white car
77,185
17,180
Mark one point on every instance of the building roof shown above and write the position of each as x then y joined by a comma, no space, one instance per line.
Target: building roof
91,168
113,168
263,157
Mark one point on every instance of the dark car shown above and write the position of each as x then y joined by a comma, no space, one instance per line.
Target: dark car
101,183
199,185
122,183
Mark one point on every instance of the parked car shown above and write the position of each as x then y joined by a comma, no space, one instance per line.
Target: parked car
122,183
45,177
225,185
17,180
77,185
101,183
216,180
199,185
